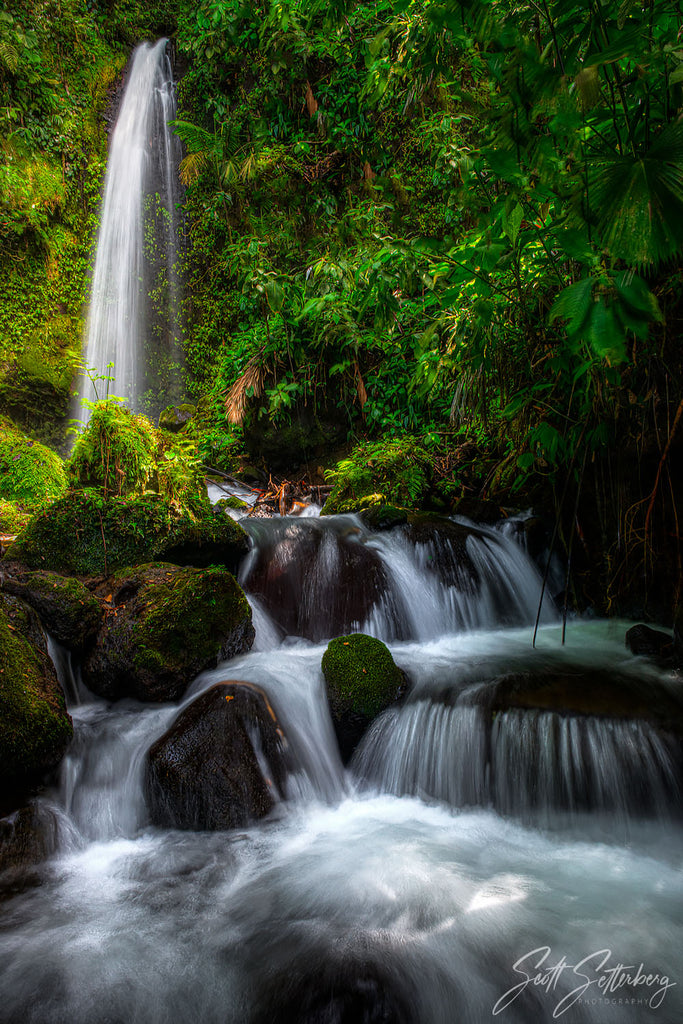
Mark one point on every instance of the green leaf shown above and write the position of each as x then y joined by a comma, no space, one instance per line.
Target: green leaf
573,304
637,296
512,222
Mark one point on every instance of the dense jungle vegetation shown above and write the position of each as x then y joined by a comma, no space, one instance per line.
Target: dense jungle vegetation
435,243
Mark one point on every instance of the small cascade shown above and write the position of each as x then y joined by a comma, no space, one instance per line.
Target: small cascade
322,577
525,763
102,774
138,237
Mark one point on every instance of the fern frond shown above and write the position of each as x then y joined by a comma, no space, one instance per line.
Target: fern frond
9,56
192,166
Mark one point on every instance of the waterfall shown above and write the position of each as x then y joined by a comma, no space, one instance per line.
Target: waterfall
529,764
321,577
138,237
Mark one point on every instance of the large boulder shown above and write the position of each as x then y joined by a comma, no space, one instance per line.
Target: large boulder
313,580
206,771
66,607
27,836
35,728
163,625
362,680
84,534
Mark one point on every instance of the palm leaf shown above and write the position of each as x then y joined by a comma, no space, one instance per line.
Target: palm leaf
638,201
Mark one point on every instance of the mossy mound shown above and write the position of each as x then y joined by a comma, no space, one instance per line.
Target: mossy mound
395,472
34,725
31,475
66,607
175,417
163,625
12,519
119,454
115,452
362,680
84,534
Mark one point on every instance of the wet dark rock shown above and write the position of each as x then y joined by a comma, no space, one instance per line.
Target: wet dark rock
206,771
35,728
309,435
596,693
163,625
337,989
66,607
651,643
27,837
445,548
362,680
175,417
315,582
478,510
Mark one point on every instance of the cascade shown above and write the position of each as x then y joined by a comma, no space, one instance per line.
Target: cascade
137,243
402,888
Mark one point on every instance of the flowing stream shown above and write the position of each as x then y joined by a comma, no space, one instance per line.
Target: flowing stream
401,889
141,171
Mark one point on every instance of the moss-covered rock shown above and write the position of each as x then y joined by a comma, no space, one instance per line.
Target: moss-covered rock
307,435
34,725
84,534
31,475
163,625
362,680
395,471
12,519
205,771
175,417
66,607
383,517
235,503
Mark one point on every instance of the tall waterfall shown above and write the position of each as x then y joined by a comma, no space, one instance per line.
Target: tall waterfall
138,237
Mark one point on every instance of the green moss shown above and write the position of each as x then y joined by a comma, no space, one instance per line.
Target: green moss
84,534
30,474
164,624
186,612
119,454
361,674
34,726
12,519
392,472
383,517
66,607
115,452
175,417
234,503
